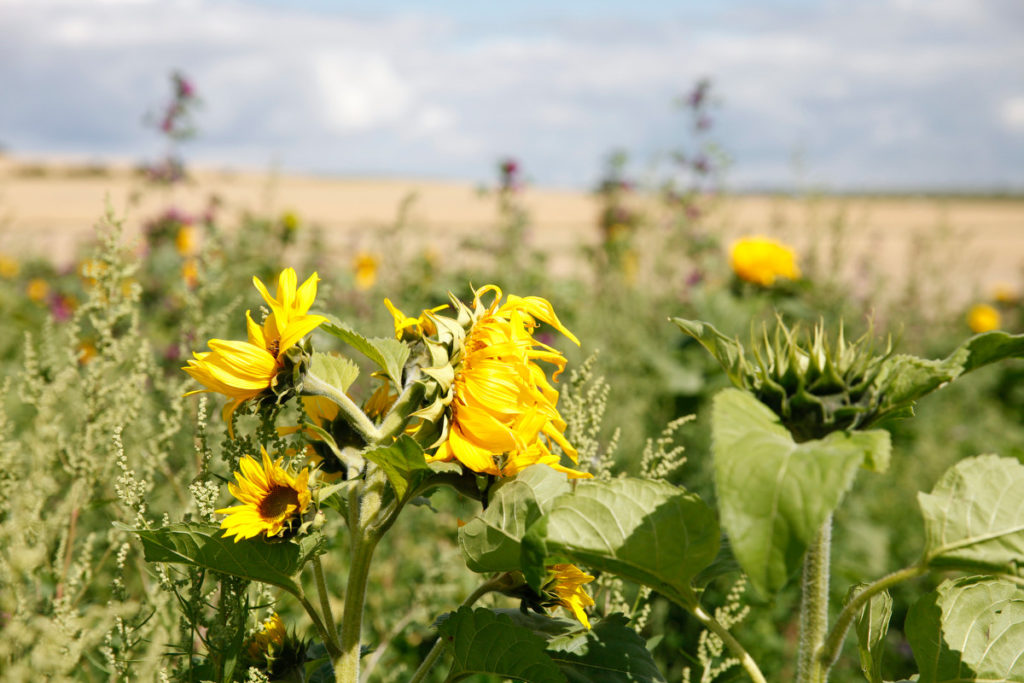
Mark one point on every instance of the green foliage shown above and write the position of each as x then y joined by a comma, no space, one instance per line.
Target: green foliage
254,559
872,625
973,517
481,641
646,531
970,629
388,354
491,541
774,494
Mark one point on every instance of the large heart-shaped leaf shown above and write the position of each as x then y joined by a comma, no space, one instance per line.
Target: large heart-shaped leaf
491,541
774,493
974,517
482,642
255,559
970,629
646,531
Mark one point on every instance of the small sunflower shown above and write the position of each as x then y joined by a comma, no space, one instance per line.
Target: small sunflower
268,638
272,499
762,260
366,270
503,414
566,585
984,318
413,328
244,369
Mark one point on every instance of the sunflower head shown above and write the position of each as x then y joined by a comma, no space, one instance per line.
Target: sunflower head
242,370
272,649
273,500
497,405
564,588
762,260
983,318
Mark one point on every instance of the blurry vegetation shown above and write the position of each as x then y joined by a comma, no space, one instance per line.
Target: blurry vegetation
94,428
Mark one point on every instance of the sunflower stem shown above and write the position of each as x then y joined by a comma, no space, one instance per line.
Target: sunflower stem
364,542
325,603
497,583
357,419
814,607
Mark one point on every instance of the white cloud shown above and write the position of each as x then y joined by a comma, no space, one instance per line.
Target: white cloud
894,84
1011,113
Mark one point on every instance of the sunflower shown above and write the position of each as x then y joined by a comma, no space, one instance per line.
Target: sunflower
983,318
567,588
503,413
413,328
762,260
268,638
244,369
272,498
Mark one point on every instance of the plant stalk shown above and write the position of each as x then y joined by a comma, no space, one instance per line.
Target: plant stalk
829,652
746,661
814,607
325,603
364,542
314,386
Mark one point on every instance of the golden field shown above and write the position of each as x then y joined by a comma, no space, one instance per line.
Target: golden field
974,244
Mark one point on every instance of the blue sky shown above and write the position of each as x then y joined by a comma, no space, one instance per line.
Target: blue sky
886,94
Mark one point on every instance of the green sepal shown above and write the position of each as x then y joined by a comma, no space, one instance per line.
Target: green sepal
403,462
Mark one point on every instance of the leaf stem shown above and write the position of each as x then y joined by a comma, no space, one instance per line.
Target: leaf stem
314,386
829,651
746,661
329,643
483,589
814,606
325,603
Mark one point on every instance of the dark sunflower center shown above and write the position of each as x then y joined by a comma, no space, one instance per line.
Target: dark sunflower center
275,347
277,501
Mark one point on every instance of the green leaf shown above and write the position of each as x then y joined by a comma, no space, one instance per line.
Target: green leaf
974,517
727,351
388,354
774,494
337,371
904,379
490,542
482,642
609,652
872,625
970,629
645,531
403,462
202,545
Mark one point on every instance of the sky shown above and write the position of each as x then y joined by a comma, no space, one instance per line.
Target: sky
832,95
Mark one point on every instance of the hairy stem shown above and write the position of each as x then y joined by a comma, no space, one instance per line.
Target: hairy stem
329,642
325,603
814,606
364,542
829,651
483,589
746,661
